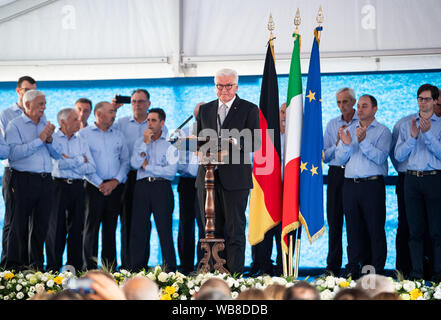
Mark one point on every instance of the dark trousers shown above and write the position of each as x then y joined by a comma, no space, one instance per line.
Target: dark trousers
365,208
103,210
156,197
261,252
334,210
188,212
230,222
423,192
67,219
32,199
403,263
126,216
7,198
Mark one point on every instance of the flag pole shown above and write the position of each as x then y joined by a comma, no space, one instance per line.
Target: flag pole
297,259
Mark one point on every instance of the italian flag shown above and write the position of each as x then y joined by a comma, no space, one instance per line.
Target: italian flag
293,133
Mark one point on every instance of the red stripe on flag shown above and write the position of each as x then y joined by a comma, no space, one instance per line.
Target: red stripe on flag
290,200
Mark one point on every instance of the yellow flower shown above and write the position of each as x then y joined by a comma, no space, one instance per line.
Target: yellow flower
50,291
170,290
9,276
415,294
344,284
58,280
166,297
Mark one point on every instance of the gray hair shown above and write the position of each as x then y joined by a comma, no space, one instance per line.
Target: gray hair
30,95
225,72
349,90
64,114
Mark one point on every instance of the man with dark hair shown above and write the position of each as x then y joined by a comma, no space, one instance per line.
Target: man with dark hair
24,84
334,200
419,143
156,162
84,109
104,187
363,149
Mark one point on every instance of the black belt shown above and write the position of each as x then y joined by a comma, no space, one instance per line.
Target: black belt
37,174
423,173
371,178
153,179
68,181
337,167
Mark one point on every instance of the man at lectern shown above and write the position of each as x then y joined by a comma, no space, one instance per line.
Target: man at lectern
236,121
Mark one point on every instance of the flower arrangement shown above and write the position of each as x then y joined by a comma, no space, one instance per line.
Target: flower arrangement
176,286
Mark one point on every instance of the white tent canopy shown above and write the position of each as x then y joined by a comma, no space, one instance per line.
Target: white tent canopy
108,39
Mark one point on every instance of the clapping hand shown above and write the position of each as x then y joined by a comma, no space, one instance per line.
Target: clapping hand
345,136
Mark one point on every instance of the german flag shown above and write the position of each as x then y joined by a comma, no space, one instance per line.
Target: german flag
266,195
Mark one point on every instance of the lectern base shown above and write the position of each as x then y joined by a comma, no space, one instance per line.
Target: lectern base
211,260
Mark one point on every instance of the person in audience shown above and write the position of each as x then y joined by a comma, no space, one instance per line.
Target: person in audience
67,216
275,291
214,284
373,284
141,288
32,149
301,290
213,294
351,294
419,143
24,84
363,149
104,187
252,294
387,296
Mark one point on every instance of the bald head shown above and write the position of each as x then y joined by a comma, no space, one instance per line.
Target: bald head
215,283
141,288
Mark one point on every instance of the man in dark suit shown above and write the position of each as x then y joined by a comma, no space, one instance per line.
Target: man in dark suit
237,121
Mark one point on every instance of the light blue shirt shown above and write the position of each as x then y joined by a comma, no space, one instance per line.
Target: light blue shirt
369,157
161,155
76,149
399,166
8,115
330,138
188,161
423,153
28,152
4,148
109,152
132,130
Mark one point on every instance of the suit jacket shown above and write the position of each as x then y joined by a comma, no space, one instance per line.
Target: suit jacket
242,115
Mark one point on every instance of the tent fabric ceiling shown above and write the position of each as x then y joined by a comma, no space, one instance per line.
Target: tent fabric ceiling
178,31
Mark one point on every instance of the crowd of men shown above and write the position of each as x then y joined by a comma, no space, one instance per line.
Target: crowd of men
61,186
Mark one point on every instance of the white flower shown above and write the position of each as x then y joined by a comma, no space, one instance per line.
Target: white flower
18,287
183,297
243,287
326,295
437,295
6,298
405,296
426,296
330,282
191,291
39,288
234,294
20,295
408,285
31,294
163,277
31,289
50,283
398,286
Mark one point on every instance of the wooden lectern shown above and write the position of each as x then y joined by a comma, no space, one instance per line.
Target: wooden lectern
211,245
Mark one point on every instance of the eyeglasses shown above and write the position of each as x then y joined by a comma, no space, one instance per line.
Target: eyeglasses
139,101
226,86
25,89
421,99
